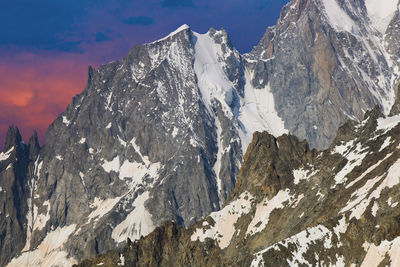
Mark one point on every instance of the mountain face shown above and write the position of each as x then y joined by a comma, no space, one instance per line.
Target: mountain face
157,136
293,206
15,165
160,135
330,60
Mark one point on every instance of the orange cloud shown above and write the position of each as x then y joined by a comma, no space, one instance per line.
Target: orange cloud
32,95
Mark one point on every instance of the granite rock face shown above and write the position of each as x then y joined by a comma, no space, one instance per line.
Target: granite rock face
154,137
293,206
327,61
16,162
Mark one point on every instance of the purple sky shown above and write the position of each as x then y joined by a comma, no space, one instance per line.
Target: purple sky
46,46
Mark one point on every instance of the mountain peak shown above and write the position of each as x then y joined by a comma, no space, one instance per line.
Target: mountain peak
34,146
173,33
13,137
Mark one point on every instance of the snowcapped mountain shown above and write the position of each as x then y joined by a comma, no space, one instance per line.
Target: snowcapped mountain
293,206
157,136
160,135
330,60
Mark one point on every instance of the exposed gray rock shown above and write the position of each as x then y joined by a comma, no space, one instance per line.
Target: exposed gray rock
294,207
325,65
139,146
15,164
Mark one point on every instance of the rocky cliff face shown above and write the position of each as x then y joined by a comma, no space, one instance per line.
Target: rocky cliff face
16,162
293,206
156,136
326,61
160,134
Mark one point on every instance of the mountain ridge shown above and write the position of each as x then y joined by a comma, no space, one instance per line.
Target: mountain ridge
349,219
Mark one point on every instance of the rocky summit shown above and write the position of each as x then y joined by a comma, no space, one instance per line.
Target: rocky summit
161,134
293,206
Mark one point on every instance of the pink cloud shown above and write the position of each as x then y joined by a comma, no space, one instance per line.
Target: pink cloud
32,95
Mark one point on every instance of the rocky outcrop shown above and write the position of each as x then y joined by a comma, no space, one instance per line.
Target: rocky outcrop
293,206
396,106
15,164
268,163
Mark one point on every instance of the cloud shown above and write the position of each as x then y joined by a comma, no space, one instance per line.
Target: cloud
139,20
177,3
34,94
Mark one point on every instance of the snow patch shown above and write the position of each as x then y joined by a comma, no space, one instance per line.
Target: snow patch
392,204
138,222
40,220
266,207
338,18
224,221
136,171
49,252
174,132
381,13
181,28
112,165
302,242
121,260
6,155
209,68
102,207
354,158
375,254
367,171
342,148
388,123
374,208
257,107
258,113
360,202
66,121
302,174
341,228
217,166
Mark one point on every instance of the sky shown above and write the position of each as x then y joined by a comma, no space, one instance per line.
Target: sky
46,46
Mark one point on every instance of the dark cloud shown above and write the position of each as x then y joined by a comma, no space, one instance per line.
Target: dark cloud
139,20
101,37
38,23
177,3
